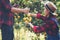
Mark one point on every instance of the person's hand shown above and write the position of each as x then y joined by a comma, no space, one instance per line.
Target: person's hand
26,10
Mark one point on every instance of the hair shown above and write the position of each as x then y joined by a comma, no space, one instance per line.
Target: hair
51,15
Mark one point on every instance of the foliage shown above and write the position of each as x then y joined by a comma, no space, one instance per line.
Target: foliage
35,7
19,19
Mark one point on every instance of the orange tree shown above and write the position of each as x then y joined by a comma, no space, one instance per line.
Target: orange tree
35,6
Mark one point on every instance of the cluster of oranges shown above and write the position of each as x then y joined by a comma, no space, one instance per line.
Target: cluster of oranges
16,20
27,19
17,17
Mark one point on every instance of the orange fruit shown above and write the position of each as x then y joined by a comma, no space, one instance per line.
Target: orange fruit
18,16
26,22
24,19
28,14
14,16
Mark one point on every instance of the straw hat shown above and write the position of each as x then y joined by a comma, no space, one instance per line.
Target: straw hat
51,7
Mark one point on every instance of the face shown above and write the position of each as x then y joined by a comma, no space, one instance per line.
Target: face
46,11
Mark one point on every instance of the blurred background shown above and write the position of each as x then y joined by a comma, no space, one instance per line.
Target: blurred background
24,32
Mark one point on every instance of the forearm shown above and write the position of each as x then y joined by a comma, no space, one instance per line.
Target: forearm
31,25
38,29
16,10
32,14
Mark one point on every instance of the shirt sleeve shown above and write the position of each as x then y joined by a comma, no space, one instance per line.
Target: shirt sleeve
39,16
50,26
39,29
6,4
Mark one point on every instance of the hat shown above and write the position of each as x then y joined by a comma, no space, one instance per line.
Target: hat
50,6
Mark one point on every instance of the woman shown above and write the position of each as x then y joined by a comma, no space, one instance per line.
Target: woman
50,22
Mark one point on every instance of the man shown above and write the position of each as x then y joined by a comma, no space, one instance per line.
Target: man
6,18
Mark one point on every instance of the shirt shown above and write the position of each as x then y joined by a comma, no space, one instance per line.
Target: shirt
6,16
49,26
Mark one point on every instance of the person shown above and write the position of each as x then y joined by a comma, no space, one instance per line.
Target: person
7,18
50,25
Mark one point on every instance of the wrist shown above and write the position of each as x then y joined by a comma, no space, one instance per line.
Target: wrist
31,25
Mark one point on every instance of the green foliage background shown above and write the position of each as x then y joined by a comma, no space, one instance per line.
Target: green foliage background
35,6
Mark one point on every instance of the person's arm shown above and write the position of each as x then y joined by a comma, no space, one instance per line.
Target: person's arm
51,25
39,16
31,25
32,14
8,7
39,29
18,10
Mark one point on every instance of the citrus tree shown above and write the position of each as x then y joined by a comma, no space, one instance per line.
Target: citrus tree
35,7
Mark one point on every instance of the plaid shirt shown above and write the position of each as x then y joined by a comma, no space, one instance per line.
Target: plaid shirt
6,16
50,26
